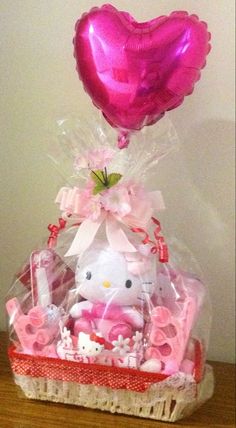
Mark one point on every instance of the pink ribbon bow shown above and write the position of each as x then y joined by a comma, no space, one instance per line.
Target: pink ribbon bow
137,214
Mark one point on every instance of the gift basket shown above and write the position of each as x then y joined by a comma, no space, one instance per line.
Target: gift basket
107,313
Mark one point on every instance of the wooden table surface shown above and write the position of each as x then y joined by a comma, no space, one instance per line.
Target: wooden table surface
19,412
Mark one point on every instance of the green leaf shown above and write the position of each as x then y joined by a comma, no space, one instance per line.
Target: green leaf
113,179
99,188
97,176
99,179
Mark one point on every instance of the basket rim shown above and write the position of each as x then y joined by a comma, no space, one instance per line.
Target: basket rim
97,374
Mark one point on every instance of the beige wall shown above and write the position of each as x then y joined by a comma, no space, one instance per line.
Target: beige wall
39,83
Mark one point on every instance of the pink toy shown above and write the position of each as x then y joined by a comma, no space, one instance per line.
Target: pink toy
37,330
114,293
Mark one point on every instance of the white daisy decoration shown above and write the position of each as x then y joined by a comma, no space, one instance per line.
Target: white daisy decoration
137,338
121,345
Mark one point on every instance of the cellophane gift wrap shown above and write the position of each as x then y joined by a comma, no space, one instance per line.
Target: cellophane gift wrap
102,315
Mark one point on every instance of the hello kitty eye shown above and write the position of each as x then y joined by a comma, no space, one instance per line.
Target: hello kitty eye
88,275
128,283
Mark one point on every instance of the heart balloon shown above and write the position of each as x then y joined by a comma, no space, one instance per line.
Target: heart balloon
135,72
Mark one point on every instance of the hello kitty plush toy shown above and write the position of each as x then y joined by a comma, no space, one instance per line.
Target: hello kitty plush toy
115,288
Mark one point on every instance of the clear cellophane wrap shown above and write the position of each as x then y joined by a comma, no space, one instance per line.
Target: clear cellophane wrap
110,313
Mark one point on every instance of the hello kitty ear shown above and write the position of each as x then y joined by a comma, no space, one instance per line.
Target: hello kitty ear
132,257
144,249
83,336
138,263
138,268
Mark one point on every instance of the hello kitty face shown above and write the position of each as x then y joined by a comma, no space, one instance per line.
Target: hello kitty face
103,275
89,346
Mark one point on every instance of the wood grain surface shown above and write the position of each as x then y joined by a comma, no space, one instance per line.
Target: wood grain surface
19,412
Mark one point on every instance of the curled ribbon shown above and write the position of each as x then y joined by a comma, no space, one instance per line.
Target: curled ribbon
55,229
162,247
159,246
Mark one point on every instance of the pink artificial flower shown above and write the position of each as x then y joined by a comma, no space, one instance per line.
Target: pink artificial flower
89,206
81,162
100,158
136,189
88,189
92,208
94,159
116,200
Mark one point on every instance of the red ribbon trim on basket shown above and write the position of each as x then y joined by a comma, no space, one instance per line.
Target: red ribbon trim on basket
159,245
86,374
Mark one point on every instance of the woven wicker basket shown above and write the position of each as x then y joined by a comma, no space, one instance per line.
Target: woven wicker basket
170,399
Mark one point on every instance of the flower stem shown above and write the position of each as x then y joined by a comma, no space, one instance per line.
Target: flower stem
104,183
106,176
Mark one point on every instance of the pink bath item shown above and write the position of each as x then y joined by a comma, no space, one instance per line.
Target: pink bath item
152,365
169,335
37,330
187,366
48,277
41,263
134,72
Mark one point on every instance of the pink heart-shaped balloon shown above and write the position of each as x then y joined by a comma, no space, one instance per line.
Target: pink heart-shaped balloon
134,72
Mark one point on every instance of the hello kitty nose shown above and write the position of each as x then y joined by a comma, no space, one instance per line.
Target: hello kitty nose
106,284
